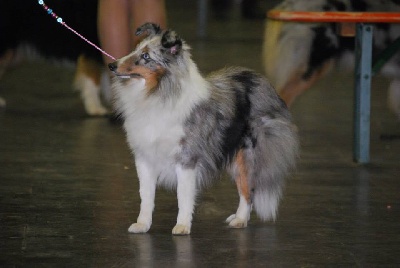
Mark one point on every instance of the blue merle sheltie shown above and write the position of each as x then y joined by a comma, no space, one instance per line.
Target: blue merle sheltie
27,32
184,129
297,54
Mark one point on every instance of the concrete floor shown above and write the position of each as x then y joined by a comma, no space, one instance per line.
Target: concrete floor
69,189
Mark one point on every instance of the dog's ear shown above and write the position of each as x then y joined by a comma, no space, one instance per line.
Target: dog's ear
171,42
149,29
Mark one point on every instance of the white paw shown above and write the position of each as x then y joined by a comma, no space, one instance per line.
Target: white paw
138,228
96,110
235,222
181,229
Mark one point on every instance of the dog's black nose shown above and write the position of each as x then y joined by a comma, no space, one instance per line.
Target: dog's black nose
112,66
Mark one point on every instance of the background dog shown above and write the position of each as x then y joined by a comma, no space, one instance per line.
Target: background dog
184,129
298,54
26,31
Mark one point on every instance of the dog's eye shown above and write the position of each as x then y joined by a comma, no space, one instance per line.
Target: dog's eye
145,56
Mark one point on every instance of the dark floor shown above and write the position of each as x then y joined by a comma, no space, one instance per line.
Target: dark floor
69,189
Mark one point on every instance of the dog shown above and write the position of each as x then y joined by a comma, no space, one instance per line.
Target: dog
298,54
184,129
27,32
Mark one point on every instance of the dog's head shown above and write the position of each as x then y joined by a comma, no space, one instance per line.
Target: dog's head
156,56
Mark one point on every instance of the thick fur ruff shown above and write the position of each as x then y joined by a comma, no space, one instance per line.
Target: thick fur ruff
28,32
297,54
185,129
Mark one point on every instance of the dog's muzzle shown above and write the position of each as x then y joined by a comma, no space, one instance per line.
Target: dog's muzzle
113,68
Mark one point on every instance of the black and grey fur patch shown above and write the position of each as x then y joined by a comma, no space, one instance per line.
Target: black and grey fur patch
232,119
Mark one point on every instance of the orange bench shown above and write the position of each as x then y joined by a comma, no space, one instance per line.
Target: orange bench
360,25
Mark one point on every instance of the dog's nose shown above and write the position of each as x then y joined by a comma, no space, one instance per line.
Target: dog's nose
112,66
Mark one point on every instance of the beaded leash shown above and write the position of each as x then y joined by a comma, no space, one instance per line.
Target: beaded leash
60,20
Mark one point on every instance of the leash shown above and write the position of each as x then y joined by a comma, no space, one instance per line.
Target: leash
60,20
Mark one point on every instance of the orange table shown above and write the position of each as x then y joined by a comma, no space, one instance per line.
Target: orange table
356,17
363,22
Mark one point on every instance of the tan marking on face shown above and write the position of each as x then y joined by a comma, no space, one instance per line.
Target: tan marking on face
242,182
125,67
152,77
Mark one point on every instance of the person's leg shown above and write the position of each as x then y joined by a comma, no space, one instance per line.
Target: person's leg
147,11
114,27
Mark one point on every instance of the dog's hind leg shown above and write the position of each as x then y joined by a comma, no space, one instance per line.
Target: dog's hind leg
289,49
87,81
297,85
242,216
148,182
186,192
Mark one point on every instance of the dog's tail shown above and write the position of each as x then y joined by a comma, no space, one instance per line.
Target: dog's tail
274,157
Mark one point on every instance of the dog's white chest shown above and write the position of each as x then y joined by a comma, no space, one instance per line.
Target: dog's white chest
155,134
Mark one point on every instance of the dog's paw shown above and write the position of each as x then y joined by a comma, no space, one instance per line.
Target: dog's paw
235,222
181,229
96,110
138,228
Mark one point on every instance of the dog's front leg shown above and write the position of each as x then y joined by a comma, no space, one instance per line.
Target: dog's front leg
147,182
186,193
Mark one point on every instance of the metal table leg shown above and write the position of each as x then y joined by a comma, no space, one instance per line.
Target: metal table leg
362,94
